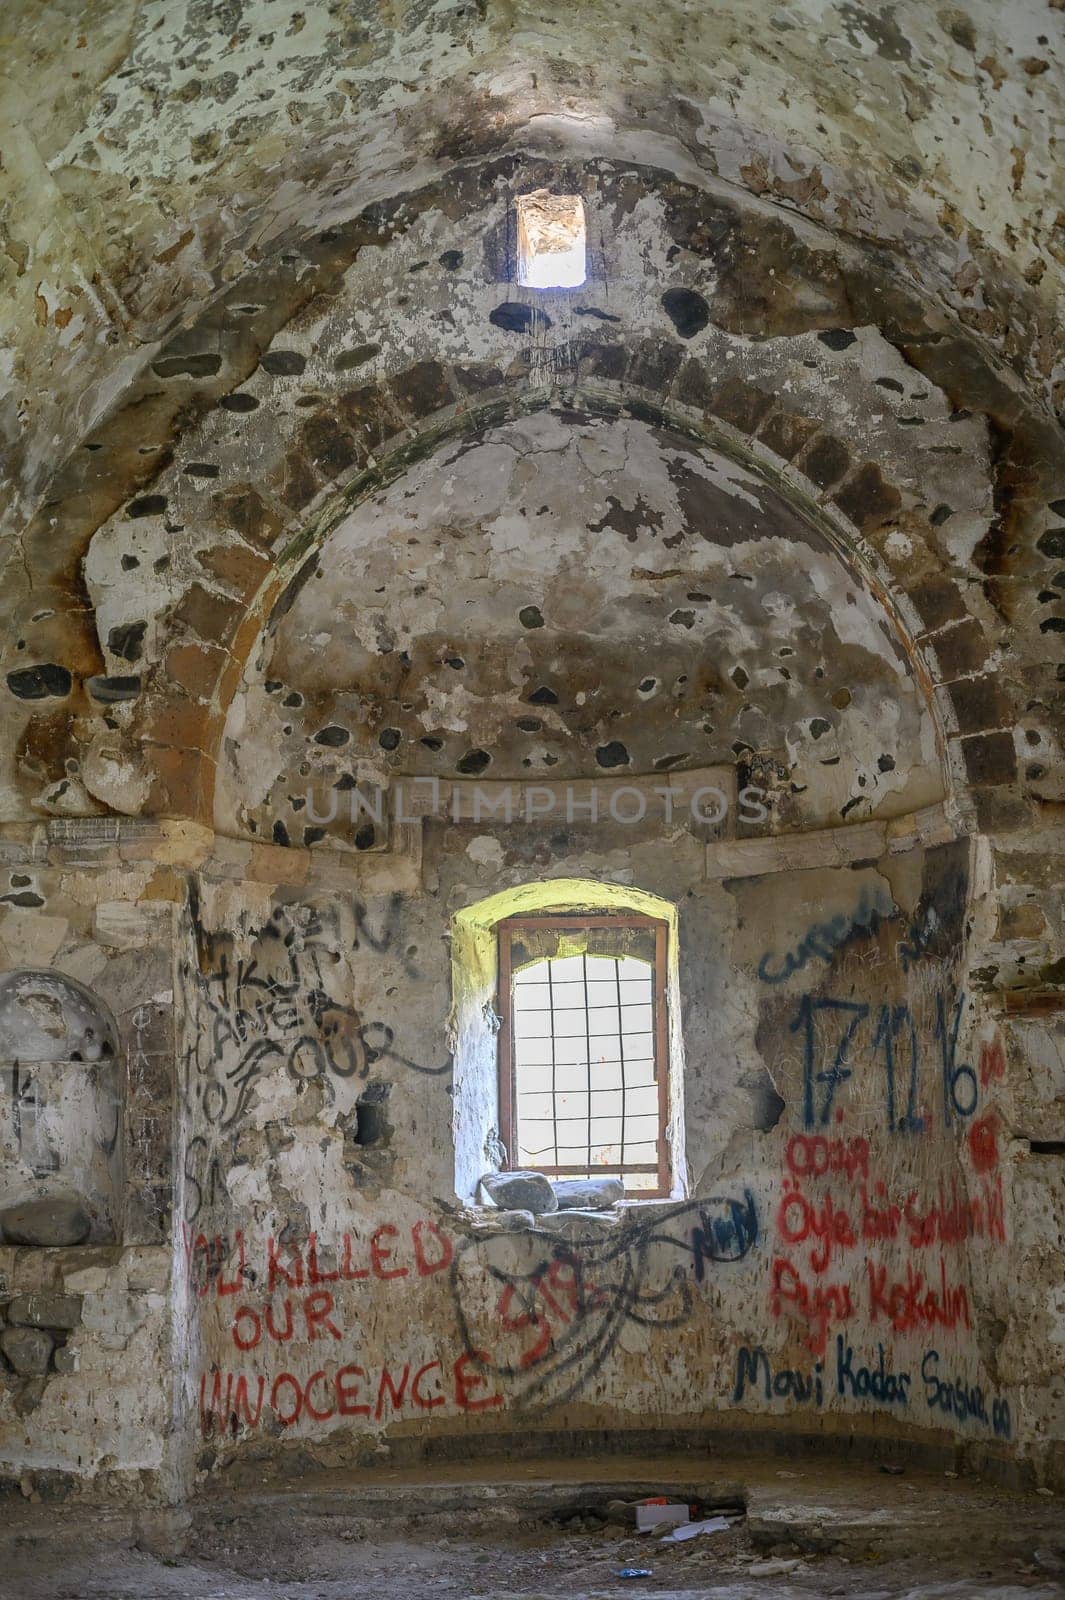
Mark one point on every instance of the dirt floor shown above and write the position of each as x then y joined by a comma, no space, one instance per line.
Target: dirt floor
797,1531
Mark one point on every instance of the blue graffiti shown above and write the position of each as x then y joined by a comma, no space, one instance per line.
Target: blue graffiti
853,1379
963,1400
728,1236
839,1072
825,939
895,1038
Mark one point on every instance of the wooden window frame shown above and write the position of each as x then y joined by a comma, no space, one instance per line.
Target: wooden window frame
586,922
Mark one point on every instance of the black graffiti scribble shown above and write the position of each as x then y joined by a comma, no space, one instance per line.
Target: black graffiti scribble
571,1306
271,1011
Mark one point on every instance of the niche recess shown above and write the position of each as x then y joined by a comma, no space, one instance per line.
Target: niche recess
61,1115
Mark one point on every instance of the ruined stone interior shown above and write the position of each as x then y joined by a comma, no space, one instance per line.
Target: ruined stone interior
361,596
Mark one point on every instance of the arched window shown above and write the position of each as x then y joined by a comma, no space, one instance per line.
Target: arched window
566,1033
583,1047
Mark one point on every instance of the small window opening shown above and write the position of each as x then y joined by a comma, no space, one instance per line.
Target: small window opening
583,1048
551,240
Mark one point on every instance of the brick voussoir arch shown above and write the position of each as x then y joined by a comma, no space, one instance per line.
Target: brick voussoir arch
376,433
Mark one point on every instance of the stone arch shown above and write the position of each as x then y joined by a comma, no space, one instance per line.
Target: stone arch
163,736
854,536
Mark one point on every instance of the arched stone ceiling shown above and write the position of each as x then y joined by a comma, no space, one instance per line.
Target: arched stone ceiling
255,254
163,149
564,596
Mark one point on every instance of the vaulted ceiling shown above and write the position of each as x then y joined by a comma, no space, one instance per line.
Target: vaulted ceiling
260,319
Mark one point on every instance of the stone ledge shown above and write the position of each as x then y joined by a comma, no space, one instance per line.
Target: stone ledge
829,847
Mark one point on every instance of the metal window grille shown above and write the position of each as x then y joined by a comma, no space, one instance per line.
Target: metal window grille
583,1065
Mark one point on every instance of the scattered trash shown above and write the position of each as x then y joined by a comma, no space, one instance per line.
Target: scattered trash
635,1572
653,1513
771,1569
691,1530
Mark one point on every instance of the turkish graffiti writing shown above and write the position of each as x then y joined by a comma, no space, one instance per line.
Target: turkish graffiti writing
849,1378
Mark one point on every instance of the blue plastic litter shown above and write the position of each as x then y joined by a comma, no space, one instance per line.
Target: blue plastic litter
635,1572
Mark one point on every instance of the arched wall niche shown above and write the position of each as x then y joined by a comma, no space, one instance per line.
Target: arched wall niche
61,1145
709,582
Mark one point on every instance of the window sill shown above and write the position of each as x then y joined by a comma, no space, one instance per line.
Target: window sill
494,1219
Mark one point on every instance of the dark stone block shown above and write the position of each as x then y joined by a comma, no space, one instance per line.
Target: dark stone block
127,640
330,448
239,402
696,385
367,412
45,1309
40,683
301,483
348,360
109,691
283,363
837,338
422,389
587,1194
826,461
47,1224
29,1350
478,375
202,364
654,364
246,512
1001,810
990,758
209,615
147,505
741,405
868,499
937,602
961,650
980,703
688,311
514,317
786,433
603,360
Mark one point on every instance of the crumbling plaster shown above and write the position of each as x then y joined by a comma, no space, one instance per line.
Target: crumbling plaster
262,318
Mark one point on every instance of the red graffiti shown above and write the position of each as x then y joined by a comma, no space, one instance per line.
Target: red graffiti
983,1143
550,1300
914,1302
813,1156
349,1391
213,1252
249,1324
429,1250
992,1062
818,1305
390,1253
952,1221
799,1219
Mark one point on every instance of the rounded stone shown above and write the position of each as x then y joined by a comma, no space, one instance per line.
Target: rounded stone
48,1224
588,1194
520,1191
29,1350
